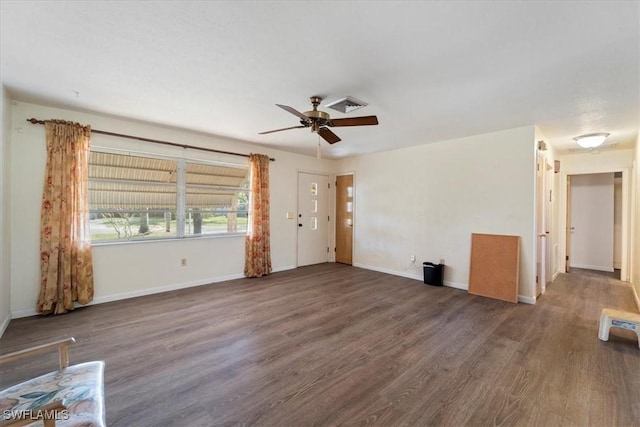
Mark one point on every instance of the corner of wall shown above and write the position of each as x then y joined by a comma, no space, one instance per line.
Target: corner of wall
5,282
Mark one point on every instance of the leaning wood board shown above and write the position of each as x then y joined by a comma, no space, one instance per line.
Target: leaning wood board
495,266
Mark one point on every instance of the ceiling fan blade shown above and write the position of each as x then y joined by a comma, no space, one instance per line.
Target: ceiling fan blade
354,121
293,111
328,136
278,130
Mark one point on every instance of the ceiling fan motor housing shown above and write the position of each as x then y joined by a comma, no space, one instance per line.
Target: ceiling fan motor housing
315,118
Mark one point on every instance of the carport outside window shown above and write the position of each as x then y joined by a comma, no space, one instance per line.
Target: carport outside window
142,198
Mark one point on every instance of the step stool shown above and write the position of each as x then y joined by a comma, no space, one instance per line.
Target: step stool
620,319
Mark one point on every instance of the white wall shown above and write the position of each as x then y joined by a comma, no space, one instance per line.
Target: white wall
603,162
617,223
427,200
125,270
5,283
438,194
592,203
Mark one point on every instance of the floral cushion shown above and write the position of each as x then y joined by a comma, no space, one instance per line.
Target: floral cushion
80,387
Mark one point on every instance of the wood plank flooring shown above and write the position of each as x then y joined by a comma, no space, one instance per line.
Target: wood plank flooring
331,345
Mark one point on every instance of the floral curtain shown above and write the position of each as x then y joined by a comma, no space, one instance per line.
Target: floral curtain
66,268
257,261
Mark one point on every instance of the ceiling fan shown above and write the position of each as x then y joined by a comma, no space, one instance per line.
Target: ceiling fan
319,120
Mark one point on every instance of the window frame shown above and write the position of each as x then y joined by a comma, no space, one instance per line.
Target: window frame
181,209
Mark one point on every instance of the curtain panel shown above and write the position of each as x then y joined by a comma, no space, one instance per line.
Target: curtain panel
66,268
257,244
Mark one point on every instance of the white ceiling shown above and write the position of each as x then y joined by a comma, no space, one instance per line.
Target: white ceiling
430,71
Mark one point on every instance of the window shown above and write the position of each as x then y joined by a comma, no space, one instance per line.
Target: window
138,198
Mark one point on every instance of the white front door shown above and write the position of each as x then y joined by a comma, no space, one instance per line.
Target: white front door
313,218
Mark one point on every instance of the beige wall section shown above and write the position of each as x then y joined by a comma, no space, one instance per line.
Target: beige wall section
635,228
427,200
5,270
127,270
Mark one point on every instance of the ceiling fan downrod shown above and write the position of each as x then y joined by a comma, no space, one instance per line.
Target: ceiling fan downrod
315,117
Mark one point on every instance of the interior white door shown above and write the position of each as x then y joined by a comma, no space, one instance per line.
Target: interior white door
313,218
592,221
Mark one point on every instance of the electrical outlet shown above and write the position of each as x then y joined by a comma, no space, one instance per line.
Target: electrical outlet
183,262
413,258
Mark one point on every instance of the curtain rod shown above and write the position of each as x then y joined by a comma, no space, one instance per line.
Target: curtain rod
155,141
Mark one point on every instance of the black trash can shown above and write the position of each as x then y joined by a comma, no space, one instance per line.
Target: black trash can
433,273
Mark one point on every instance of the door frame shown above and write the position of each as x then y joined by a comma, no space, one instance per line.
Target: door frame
626,203
543,234
549,202
567,231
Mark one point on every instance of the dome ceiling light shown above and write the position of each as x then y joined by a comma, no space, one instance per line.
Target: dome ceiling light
591,140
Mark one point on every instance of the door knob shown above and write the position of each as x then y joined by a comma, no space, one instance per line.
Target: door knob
299,225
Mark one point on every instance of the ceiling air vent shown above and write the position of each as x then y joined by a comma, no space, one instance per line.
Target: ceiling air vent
346,105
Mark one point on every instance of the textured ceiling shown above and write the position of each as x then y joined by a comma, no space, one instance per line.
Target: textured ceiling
430,71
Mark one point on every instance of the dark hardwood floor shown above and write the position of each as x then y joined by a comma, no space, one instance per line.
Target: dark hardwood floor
334,345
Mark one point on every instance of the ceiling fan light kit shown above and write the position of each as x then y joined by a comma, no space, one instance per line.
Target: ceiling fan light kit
591,140
319,121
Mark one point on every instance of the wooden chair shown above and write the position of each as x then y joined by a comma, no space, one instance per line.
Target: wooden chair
71,396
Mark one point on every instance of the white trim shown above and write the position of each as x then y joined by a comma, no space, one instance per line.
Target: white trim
626,225
389,271
5,324
636,296
143,292
461,286
285,268
138,293
526,300
593,267
23,313
455,285
161,289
